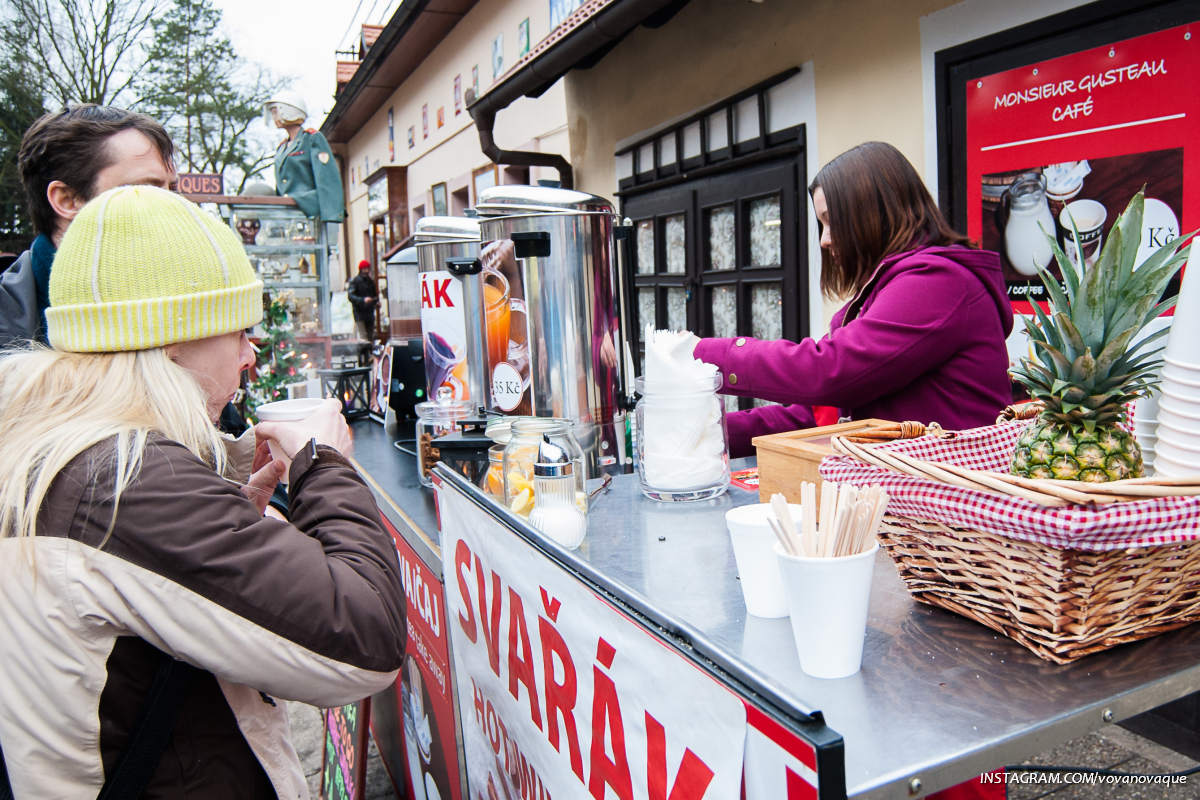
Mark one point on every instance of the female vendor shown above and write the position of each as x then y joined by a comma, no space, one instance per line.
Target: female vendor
922,337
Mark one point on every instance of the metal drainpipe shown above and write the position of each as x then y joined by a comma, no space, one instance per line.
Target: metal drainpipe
589,43
485,121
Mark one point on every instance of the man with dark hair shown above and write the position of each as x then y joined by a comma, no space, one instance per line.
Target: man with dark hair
67,158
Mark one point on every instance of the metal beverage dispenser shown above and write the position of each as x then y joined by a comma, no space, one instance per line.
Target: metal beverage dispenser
555,345
451,292
404,295
407,379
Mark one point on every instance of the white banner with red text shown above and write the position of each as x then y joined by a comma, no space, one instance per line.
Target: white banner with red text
563,695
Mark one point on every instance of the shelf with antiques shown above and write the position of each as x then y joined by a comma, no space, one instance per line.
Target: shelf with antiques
289,252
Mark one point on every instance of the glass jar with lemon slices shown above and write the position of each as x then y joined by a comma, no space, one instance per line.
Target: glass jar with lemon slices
520,454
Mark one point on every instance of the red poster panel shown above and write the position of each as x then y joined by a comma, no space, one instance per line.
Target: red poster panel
1072,139
413,722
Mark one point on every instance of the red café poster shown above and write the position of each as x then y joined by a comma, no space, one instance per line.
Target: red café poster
413,721
1074,138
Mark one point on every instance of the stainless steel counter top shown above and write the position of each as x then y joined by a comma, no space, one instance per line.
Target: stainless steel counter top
392,476
939,698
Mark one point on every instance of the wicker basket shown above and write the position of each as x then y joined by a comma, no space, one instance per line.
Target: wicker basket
1061,604
1060,601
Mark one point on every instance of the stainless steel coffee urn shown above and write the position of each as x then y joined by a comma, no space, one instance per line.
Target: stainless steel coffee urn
451,291
551,312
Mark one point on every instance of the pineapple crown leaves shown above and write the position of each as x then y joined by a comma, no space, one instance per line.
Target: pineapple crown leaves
1115,294
1097,311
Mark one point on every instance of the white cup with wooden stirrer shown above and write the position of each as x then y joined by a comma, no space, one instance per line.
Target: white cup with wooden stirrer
828,599
828,579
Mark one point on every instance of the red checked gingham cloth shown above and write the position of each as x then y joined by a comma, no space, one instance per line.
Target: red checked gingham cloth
1113,526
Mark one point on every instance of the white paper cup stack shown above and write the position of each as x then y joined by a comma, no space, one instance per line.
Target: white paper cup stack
1145,414
1177,448
1145,427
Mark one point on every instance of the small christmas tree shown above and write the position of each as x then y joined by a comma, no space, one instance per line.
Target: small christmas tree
279,363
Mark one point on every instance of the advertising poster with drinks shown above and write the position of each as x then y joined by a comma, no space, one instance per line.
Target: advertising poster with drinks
445,334
381,383
414,720
507,328
562,695
1062,145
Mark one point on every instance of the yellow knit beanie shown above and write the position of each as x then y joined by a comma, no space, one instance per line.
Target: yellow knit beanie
141,267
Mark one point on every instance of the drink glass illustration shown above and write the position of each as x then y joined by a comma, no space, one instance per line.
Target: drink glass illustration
497,313
518,346
440,359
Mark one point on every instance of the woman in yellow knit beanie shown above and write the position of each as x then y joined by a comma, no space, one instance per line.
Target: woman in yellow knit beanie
127,560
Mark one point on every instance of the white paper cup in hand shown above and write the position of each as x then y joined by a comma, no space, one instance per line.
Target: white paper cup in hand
296,410
753,550
828,599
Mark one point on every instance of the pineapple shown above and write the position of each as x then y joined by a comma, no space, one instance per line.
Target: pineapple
1083,368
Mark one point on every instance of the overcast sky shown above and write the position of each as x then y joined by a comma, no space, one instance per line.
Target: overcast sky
299,38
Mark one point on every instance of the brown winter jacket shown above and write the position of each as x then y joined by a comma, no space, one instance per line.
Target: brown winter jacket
311,611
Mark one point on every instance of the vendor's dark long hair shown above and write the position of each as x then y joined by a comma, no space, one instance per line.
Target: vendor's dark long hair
877,206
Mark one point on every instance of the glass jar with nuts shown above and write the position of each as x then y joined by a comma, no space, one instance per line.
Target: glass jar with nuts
436,418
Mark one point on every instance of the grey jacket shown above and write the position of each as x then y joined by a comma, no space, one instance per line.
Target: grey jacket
20,317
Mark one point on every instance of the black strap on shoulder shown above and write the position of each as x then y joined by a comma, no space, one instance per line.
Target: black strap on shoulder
140,759
5,786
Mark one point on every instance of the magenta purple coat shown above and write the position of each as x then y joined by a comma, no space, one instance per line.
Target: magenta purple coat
923,340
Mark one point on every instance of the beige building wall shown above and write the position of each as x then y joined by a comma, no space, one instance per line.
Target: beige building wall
865,62
866,58
869,64
521,126
451,153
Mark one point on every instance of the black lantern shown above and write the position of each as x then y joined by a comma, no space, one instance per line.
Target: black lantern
350,385
466,449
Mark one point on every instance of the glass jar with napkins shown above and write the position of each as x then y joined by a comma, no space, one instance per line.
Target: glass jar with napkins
680,422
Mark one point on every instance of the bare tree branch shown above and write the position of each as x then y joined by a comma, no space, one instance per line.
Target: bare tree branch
84,50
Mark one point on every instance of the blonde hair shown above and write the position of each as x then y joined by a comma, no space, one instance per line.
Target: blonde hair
55,405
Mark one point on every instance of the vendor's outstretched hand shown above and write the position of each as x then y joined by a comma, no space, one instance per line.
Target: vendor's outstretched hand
326,425
262,483
608,352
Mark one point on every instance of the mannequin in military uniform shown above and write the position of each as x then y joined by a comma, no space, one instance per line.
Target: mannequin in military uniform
304,165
